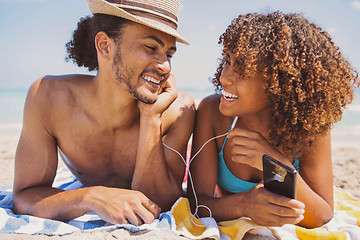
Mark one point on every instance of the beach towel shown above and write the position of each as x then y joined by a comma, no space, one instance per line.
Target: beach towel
344,225
25,224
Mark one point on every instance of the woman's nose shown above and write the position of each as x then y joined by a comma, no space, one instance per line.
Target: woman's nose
225,77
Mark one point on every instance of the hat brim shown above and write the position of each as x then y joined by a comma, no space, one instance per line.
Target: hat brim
104,7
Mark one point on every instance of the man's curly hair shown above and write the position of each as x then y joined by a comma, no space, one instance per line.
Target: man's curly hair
81,48
308,81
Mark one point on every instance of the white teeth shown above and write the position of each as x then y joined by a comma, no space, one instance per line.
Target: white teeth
229,96
150,79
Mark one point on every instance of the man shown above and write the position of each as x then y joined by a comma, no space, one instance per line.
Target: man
109,128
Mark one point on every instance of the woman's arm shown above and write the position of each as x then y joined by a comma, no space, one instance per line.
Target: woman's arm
315,184
315,180
262,206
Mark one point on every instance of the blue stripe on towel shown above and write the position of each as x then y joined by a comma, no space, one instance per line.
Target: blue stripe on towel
2,197
50,227
67,184
13,224
167,217
93,224
6,200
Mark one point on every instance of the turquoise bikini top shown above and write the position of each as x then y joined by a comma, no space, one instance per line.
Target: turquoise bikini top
229,181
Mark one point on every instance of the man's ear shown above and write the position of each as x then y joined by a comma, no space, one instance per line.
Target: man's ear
102,44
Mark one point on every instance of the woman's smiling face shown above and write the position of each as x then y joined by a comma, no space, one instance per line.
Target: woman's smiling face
242,96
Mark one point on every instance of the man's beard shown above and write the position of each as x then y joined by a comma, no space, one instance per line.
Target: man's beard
123,75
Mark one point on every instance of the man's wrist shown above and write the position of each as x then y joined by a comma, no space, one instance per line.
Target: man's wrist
150,120
88,200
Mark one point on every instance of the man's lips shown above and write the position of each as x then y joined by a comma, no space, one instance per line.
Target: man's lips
151,79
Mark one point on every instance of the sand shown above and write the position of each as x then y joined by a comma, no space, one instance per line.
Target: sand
346,164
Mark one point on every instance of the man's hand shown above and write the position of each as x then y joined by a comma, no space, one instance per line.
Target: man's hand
167,95
269,209
248,147
122,206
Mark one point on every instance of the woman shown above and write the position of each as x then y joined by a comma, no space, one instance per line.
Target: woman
287,83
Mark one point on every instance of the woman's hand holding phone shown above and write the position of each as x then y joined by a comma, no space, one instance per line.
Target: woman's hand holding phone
279,178
270,209
263,206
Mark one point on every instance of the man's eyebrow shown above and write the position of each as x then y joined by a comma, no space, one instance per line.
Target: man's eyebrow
156,39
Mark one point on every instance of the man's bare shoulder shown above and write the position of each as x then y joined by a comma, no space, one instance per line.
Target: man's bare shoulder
184,99
53,99
184,103
54,89
182,111
59,83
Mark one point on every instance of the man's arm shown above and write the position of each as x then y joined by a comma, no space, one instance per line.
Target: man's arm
159,171
35,169
36,164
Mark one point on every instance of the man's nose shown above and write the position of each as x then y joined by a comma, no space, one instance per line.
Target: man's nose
163,64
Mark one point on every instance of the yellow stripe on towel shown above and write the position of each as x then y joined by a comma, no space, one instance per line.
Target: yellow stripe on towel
346,202
236,229
318,234
345,224
182,214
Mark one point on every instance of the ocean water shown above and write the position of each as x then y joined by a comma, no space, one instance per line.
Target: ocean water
12,105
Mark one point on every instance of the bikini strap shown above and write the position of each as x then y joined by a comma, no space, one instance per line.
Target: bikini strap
222,148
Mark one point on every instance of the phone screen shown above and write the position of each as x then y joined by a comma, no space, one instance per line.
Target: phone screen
279,178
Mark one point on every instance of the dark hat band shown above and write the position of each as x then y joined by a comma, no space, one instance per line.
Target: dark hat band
145,10
153,17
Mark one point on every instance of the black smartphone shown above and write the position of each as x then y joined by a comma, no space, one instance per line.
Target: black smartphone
279,178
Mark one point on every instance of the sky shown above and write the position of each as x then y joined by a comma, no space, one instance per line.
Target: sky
33,34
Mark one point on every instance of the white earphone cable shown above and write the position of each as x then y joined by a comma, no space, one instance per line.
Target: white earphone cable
197,206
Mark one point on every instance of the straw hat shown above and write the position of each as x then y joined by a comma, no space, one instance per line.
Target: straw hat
158,14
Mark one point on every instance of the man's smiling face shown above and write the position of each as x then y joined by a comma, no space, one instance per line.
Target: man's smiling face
142,60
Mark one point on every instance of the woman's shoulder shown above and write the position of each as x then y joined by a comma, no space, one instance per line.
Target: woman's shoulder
210,104
208,112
